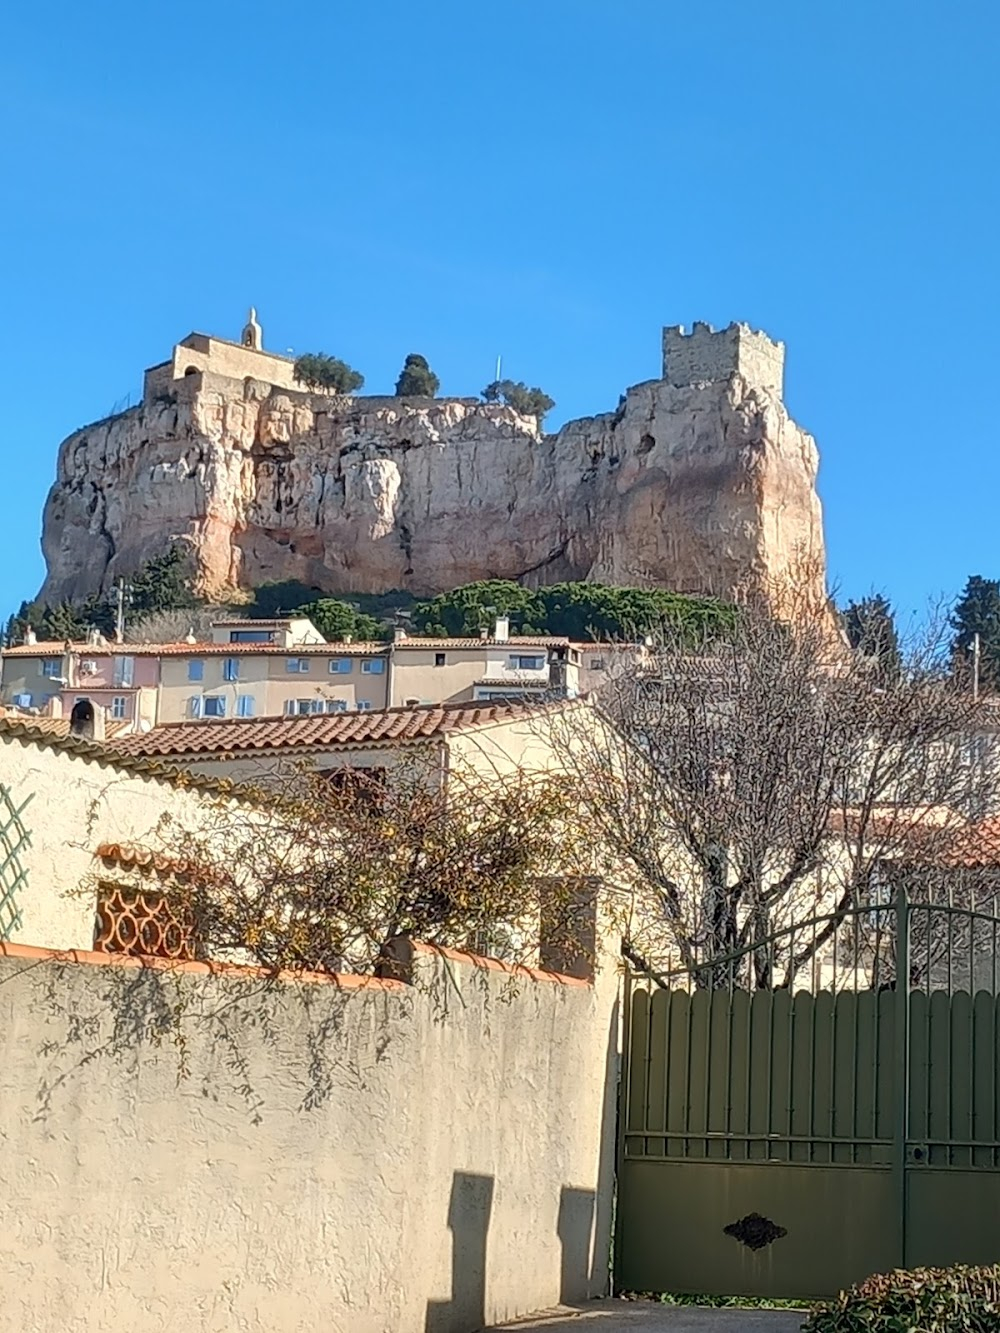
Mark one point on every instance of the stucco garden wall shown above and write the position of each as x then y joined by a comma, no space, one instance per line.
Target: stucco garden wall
423,1158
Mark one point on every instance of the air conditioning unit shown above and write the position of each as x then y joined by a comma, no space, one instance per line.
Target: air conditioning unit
88,668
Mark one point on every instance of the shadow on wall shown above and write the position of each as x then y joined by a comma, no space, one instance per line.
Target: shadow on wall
576,1233
469,1223
583,1227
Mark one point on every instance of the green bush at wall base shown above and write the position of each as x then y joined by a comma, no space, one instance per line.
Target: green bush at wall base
921,1300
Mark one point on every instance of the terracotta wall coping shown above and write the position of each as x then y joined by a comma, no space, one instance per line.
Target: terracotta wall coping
342,980
89,957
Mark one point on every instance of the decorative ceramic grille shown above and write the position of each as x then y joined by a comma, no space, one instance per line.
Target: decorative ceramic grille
14,838
138,922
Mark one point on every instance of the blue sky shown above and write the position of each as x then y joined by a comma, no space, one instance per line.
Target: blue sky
555,180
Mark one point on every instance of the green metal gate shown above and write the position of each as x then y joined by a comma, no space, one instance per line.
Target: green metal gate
780,1144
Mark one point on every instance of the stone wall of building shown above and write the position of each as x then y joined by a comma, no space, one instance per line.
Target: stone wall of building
210,1151
706,354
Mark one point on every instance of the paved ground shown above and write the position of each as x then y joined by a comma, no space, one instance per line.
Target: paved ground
633,1316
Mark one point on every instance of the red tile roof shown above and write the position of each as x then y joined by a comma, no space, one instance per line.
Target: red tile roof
53,648
57,726
389,726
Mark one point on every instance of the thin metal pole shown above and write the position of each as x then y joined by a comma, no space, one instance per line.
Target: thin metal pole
901,1127
976,659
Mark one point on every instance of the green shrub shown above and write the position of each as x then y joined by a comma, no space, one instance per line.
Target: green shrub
921,1300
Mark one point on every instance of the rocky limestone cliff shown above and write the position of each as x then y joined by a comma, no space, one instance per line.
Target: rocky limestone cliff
704,487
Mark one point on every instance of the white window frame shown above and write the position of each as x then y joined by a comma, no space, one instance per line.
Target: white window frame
50,667
517,660
297,666
364,705
340,666
119,707
123,671
336,705
374,666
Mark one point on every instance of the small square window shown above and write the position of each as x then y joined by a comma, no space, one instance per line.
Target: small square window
297,666
374,666
215,705
440,659
597,664
340,666
23,701
119,706
364,705
336,705
196,668
231,669
50,667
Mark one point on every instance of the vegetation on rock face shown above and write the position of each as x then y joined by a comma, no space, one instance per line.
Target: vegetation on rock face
870,626
529,402
922,1300
337,620
586,611
416,379
978,612
316,370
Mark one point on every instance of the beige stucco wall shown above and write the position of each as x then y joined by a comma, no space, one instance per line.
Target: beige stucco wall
176,690
320,683
428,1158
414,675
77,804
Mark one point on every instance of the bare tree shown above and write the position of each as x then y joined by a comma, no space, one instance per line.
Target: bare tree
175,626
329,876
757,781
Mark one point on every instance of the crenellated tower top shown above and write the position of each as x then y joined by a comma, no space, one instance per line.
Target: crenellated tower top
705,355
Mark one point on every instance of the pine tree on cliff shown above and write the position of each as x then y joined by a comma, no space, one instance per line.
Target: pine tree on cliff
316,370
416,379
870,626
978,612
529,402
160,584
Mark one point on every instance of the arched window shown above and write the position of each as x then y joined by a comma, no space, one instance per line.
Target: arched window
191,370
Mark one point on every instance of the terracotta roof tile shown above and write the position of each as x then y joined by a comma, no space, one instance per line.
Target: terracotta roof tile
337,649
389,726
58,726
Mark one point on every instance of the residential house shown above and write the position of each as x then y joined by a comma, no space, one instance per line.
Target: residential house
485,738
282,666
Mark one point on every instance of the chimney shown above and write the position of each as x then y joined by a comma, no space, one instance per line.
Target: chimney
87,721
399,636
501,630
30,637
484,634
348,638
